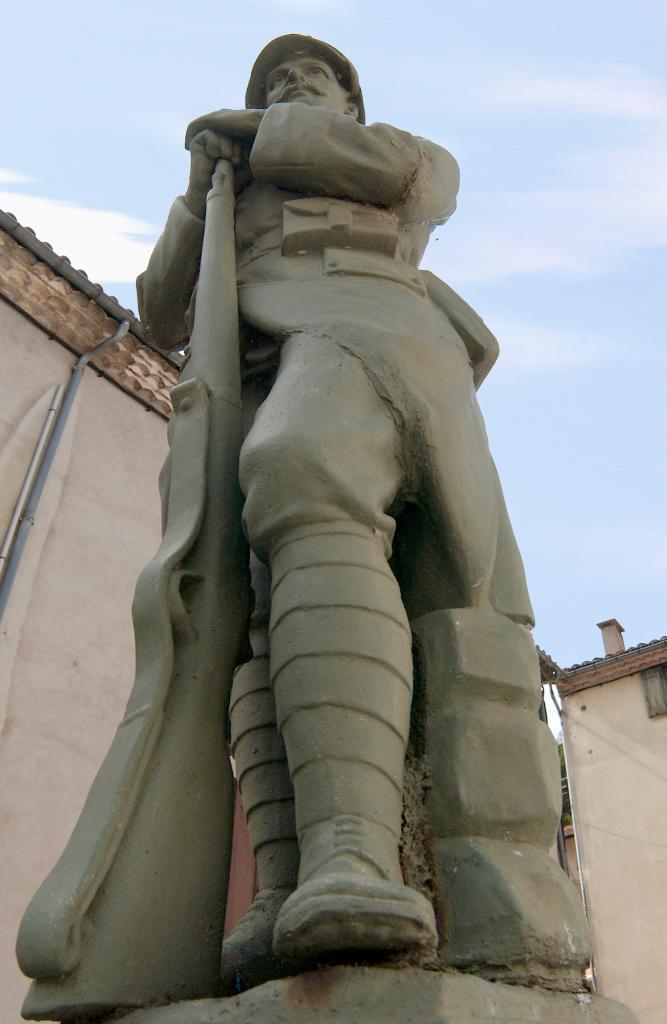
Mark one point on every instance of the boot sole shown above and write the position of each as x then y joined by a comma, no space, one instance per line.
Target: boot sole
339,913
247,953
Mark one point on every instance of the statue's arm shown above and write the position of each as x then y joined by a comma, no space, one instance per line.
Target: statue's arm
310,149
165,288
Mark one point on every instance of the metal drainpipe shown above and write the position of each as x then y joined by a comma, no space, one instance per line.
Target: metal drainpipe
29,479
33,485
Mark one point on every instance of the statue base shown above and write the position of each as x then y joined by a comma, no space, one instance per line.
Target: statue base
380,995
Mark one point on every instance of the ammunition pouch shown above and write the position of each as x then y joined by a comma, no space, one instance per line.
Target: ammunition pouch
310,225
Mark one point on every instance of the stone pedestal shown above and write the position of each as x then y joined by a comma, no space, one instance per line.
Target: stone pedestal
383,995
506,910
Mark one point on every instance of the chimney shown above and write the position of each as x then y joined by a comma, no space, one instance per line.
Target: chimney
612,637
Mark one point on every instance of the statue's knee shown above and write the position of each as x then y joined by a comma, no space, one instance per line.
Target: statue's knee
283,482
292,480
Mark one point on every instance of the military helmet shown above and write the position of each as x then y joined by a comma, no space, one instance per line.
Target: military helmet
284,47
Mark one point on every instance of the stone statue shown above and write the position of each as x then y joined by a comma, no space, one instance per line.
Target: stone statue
376,525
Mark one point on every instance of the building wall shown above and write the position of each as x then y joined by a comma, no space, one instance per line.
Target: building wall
617,764
66,661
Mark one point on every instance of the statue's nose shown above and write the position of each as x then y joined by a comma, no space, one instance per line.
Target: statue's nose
295,75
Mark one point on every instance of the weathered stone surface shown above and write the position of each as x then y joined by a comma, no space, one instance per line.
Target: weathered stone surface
509,909
493,801
470,654
366,995
372,404
497,773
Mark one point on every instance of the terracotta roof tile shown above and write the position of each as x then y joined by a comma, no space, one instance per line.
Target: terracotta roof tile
80,314
611,657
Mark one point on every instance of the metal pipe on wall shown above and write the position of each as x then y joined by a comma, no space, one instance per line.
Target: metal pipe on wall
28,480
40,465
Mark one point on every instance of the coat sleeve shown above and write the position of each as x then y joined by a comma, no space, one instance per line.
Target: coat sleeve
164,290
318,151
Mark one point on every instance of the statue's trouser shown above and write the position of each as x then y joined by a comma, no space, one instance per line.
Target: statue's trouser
321,468
267,795
340,649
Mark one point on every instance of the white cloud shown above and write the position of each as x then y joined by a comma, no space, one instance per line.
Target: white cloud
9,177
106,244
533,347
510,244
616,92
607,199
622,93
616,203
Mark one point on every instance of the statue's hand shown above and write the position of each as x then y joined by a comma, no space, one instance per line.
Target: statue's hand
237,124
206,148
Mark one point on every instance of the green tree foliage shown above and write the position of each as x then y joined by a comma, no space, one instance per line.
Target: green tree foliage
566,817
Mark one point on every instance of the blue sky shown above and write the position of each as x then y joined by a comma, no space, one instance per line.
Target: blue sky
557,114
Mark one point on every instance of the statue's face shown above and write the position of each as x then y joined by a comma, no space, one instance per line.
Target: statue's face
307,80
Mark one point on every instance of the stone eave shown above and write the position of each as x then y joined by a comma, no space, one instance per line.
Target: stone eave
78,314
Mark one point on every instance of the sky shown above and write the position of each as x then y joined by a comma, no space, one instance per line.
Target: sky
557,115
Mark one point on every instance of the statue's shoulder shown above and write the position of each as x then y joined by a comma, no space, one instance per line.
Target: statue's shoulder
481,344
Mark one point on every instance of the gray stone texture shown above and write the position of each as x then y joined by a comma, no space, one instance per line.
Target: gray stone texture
493,800
375,995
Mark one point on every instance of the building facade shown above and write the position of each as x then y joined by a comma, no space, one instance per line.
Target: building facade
66,654
614,717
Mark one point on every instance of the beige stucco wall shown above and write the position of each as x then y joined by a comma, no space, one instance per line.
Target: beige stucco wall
66,661
617,764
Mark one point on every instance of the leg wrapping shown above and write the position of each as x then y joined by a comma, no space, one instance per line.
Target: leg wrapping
266,787
342,680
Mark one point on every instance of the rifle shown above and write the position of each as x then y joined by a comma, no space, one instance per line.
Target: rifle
133,911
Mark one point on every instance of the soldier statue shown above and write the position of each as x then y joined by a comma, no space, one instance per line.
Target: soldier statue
375,522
